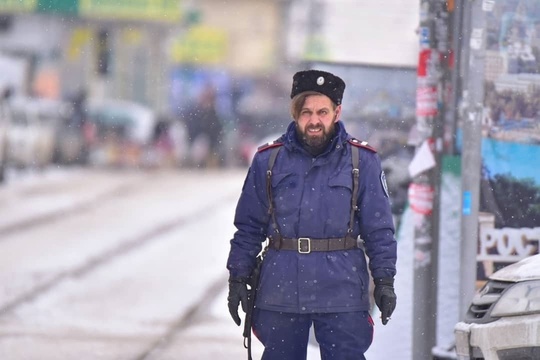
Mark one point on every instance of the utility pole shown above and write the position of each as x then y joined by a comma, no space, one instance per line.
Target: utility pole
459,28
471,160
424,191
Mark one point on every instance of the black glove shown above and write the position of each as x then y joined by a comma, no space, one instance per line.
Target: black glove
385,297
238,293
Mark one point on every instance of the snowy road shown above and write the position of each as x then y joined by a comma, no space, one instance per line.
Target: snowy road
131,265
108,264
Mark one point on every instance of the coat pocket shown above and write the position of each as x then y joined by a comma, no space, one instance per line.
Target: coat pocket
336,203
286,192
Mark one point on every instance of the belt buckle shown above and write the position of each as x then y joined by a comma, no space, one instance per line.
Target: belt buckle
301,246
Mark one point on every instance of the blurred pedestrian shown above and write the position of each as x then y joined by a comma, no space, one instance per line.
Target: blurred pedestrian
79,101
320,198
82,122
161,151
205,130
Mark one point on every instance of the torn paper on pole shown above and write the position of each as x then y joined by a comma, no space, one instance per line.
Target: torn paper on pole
422,161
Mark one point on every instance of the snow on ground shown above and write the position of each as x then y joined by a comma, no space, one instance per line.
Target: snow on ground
449,254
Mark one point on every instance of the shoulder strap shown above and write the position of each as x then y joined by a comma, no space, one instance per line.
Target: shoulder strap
271,212
254,278
355,157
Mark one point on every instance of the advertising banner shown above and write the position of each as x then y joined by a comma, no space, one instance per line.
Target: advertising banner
140,10
509,226
148,10
200,45
17,6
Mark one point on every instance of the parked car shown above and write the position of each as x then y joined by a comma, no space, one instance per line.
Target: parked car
4,125
32,132
123,131
503,320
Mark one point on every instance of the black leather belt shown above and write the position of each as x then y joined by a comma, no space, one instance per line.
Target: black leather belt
306,245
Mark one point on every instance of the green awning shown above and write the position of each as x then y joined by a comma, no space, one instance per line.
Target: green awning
58,6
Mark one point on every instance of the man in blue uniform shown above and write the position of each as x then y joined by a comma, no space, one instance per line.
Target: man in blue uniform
320,198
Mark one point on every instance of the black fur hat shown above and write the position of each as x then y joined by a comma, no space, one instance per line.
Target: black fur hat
320,81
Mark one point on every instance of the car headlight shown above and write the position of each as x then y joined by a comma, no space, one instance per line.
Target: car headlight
519,299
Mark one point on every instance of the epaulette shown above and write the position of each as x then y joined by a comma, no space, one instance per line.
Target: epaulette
362,144
269,145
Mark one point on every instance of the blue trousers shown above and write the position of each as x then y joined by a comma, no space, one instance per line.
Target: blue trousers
341,336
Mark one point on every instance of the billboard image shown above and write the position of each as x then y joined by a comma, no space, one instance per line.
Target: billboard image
510,185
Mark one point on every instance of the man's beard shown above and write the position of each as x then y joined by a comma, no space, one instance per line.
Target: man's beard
315,145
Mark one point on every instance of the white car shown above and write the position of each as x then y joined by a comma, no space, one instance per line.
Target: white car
134,121
503,320
31,133
4,125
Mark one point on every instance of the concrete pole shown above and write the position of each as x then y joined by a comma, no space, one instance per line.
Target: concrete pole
425,187
471,161
457,75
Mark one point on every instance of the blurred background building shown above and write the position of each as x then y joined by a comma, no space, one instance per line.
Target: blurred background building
162,55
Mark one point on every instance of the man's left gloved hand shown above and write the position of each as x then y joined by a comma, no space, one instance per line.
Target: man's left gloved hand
385,297
238,293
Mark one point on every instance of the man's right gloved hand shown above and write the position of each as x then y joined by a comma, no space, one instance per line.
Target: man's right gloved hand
238,293
385,297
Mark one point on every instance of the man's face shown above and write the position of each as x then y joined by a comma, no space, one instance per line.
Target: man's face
317,120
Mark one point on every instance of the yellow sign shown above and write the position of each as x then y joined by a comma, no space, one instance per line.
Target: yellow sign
200,45
80,37
151,10
18,5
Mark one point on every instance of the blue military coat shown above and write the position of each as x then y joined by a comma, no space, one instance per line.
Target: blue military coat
312,198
